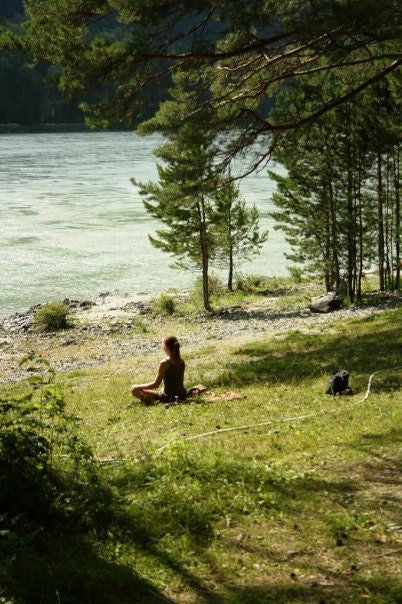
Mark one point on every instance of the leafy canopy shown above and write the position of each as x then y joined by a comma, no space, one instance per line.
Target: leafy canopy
249,51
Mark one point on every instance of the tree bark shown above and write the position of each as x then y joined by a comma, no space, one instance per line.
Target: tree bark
334,236
204,255
397,222
380,218
360,218
388,231
328,269
351,227
350,234
230,274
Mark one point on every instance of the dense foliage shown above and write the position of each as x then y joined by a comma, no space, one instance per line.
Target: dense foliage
43,465
250,51
339,204
29,92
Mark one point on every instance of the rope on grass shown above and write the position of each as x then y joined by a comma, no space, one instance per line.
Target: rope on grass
297,418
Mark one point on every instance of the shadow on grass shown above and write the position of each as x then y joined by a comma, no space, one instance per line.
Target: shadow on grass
301,356
61,552
357,590
241,314
384,470
164,508
188,497
70,570
373,443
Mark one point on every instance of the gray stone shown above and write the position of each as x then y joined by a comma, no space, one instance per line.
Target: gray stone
325,304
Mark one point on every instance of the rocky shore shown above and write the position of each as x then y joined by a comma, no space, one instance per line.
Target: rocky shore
118,326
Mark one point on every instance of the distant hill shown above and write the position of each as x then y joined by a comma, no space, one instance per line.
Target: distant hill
26,97
10,9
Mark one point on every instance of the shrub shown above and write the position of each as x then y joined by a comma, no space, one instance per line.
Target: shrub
52,500
215,286
296,274
346,302
35,428
250,283
164,305
52,317
140,325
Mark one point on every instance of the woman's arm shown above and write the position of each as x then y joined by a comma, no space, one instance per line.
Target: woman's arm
157,381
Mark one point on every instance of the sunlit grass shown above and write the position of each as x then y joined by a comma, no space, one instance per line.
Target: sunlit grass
301,512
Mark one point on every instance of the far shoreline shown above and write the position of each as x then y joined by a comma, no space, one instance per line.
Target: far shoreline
49,128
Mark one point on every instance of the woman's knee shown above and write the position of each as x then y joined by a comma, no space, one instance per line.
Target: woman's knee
135,391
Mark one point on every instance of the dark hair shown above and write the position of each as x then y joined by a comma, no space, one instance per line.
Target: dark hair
172,344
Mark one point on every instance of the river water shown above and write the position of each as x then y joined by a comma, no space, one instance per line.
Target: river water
72,225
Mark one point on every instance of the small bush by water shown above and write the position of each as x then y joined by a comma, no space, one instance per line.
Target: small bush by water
296,274
250,283
52,317
215,285
139,325
164,305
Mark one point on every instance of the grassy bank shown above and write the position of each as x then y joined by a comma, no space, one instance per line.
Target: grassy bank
119,325
286,513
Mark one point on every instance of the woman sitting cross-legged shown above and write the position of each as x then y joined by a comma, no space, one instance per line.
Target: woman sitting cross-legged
170,372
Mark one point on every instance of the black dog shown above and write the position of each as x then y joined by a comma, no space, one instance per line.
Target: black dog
339,383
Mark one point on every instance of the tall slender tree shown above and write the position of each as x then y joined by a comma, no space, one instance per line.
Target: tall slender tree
236,228
182,200
339,201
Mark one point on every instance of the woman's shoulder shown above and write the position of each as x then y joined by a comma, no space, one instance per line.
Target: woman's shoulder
164,363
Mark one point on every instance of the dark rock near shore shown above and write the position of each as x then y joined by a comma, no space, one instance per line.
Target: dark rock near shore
141,308
78,303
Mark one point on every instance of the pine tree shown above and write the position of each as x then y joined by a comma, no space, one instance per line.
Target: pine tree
237,229
254,49
183,198
339,203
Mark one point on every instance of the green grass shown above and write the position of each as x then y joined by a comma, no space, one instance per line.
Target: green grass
303,512
251,290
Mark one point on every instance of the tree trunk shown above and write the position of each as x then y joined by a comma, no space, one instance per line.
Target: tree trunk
350,235
380,215
204,255
351,230
397,223
230,274
334,237
388,231
360,218
205,281
328,269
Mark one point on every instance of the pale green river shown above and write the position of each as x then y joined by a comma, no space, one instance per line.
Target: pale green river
72,225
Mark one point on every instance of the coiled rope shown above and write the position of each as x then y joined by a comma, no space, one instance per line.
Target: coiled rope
297,418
